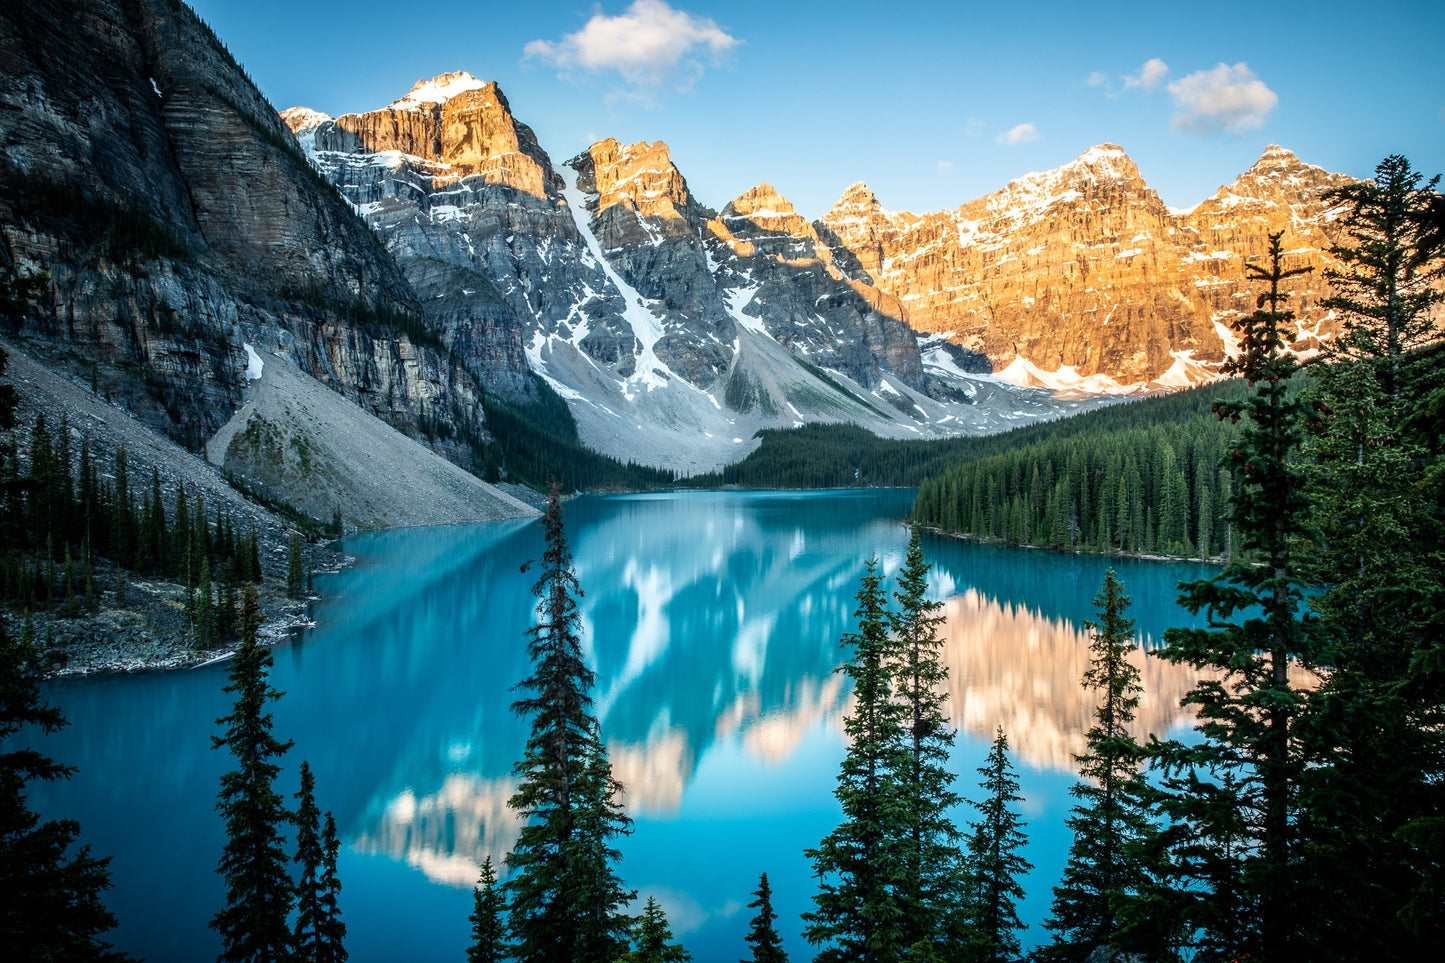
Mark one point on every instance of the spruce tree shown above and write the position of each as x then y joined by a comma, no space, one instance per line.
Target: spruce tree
309,858
253,924
566,902
1246,704
929,841
331,946
1373,741
489,932
654,942
1383,287
860,863
1106,872
295,576
763,934
50,896
996,864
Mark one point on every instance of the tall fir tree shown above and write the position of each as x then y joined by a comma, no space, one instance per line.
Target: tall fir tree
309,859
51,905
1383,286
996,865
763,932
253,924
1107,870
295,574
1374,740
566,901
929,860
859,865
331,946
489,929
1246,703
653,939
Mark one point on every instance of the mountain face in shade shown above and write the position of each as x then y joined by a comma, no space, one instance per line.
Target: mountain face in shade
178,221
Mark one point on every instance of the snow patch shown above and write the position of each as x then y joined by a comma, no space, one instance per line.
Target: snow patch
645,325
1025,374
254,364
438,90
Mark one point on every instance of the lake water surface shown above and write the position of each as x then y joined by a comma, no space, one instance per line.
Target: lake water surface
713,622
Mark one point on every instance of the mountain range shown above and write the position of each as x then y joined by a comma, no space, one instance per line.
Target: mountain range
431,263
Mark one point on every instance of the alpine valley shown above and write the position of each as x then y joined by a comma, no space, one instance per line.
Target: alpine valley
438,270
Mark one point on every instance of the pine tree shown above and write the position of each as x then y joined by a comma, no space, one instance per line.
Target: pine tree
995,861
1105,873
50,898
253,925
1246,705
859,864
566,900
1383,288
309,857
205,609
489,932
929,840
763,934
295,577
332,931
1373,741
654,938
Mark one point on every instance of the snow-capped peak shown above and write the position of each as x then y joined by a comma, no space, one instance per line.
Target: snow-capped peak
301,119
438,90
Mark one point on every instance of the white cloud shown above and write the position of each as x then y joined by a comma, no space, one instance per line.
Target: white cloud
973,127
1150,75
945,167
1096,78
1018,134
649,45
1221,98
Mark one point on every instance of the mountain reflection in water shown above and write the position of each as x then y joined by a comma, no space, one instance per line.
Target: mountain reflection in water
739,645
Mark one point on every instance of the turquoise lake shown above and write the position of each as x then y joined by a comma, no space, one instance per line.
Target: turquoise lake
713,622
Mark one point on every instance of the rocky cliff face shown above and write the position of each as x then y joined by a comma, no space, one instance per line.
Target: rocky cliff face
673,331
1083,270
176,218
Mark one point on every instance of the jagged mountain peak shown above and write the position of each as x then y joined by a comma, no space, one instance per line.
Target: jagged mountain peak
301,119
640,175
1102,162
1278,177
426,94
762,201
763,209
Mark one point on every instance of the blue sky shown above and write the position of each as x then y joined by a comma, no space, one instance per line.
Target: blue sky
932,104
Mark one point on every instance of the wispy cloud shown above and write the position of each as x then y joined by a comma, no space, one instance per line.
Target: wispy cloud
1018,134
1150,76
973,127
650,45
1225,98
945,167
1096,78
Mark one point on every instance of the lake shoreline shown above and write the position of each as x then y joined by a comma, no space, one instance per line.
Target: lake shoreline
1218,560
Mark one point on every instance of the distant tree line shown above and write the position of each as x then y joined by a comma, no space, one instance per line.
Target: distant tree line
847,456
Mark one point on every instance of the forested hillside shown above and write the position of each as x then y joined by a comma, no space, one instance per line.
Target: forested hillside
1152,483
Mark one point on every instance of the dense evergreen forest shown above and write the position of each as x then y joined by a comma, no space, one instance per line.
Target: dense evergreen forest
846,456
1156,486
